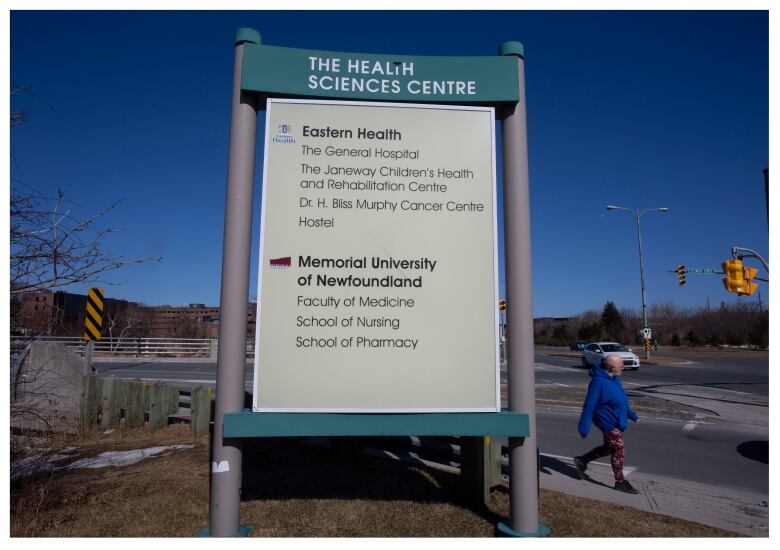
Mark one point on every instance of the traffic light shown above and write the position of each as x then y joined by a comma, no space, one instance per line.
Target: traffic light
739,278
735,276
681,274
501,305
750,287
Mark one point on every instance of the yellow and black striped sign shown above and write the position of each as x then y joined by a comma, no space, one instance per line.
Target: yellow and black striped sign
93,322
647,344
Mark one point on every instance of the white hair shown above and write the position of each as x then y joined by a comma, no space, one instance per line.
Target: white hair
614,359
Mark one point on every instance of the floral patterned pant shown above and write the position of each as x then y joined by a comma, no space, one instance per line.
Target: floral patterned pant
613,445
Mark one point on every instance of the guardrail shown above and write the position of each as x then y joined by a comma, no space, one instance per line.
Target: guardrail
135,347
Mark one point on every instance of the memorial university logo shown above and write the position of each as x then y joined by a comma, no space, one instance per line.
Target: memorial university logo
281,263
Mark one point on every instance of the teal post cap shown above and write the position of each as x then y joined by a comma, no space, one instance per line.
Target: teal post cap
512,48
503,530
245,34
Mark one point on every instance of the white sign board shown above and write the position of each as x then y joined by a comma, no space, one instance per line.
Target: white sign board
647,333
378,264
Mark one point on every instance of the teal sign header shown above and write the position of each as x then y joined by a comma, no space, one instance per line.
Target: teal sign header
292,72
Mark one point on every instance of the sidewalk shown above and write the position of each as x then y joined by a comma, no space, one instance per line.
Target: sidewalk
739,511
723,404
743,512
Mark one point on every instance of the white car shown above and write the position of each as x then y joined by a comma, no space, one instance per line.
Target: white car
594,353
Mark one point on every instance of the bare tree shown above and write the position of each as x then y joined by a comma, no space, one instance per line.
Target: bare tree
50,247
125,323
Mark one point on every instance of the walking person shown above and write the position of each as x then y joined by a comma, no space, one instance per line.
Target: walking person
606,406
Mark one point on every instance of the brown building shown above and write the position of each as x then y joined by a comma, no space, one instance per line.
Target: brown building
192,321
33,313
62,314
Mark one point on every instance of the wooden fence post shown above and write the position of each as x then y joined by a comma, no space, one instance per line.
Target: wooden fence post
111,406
91,400
134,417
159,398
200,407
173,400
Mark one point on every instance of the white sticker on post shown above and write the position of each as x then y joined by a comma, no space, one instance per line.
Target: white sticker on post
220,467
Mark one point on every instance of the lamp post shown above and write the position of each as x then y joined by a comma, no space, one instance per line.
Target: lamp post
638,214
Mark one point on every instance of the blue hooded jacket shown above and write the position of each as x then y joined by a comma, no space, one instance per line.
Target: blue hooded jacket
606,404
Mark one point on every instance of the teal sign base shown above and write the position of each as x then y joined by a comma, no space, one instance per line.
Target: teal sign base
251,424
503,530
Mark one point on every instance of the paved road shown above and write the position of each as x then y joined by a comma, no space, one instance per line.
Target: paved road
740,373
726,455
746,375
719,453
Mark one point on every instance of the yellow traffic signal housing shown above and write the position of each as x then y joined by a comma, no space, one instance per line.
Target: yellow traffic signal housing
501,305
749,287
681,275
735,276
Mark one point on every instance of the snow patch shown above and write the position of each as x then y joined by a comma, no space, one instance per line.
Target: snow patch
121,458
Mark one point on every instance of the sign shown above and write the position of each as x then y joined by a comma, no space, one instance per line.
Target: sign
647,333
378,263
311,73
93,321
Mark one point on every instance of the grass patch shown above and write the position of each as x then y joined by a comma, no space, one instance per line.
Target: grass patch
290,490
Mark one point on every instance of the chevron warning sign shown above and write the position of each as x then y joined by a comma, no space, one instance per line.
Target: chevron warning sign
93,322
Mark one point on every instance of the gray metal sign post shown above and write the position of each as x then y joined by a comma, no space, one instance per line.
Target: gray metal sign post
524,496
226,458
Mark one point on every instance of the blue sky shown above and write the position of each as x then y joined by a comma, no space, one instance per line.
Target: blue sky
638,109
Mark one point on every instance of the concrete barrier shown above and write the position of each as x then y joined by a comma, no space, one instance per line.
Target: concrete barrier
49,388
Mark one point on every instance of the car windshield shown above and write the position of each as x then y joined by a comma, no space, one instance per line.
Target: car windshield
613,347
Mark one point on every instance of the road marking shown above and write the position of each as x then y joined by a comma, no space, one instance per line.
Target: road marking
695,422
551,383
626,469
545,366
726,389
678,420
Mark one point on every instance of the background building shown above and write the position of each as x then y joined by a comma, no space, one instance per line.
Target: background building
62,314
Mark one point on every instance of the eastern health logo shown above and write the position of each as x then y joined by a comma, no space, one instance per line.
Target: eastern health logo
281,263
283,134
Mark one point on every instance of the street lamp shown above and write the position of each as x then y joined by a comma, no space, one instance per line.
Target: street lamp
637,214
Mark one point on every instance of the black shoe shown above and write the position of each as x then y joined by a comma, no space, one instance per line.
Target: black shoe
625,487
580,466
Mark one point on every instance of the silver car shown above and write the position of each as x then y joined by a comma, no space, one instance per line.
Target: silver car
594,353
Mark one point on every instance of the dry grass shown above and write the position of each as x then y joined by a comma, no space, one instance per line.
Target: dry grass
289,490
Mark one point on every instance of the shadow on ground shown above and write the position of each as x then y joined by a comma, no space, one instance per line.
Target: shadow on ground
293,468
755,450
547,463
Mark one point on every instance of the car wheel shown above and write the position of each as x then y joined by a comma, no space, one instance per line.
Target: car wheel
585,364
